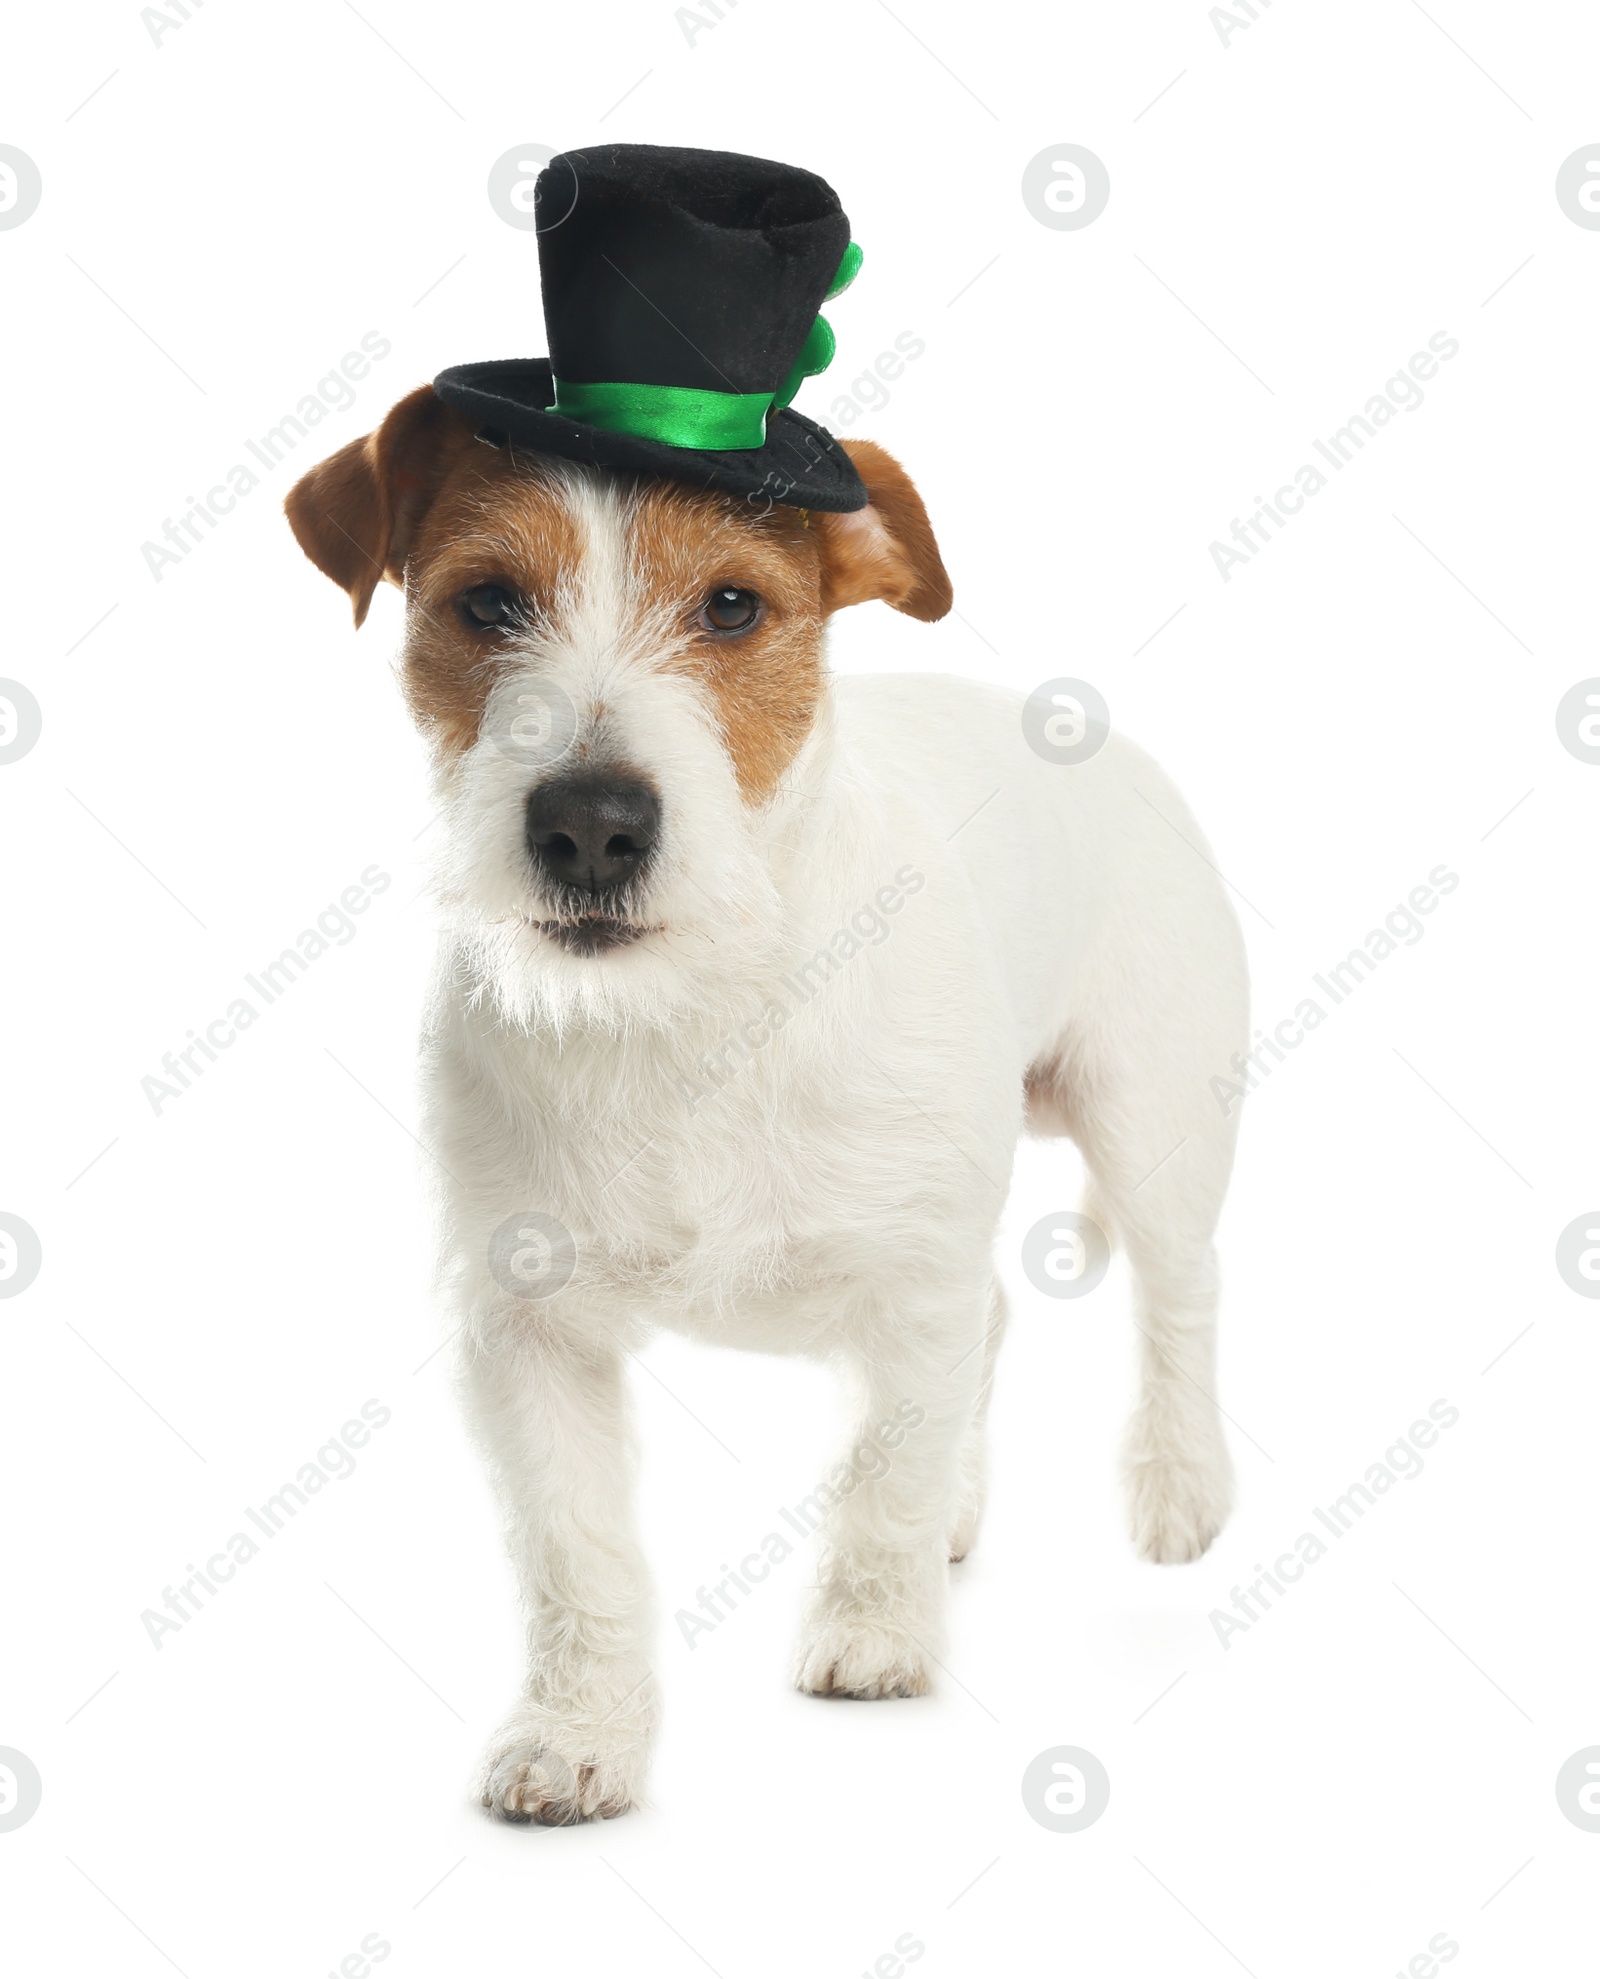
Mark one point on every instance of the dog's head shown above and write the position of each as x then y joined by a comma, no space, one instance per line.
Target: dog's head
618,678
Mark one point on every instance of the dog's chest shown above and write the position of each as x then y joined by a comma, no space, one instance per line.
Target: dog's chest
746,1179
693,1191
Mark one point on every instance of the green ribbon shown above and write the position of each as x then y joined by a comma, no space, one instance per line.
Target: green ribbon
714,422
676,415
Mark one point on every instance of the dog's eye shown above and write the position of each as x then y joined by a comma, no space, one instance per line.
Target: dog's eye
490,604
730,610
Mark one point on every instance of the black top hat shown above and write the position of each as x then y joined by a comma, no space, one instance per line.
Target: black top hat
681,291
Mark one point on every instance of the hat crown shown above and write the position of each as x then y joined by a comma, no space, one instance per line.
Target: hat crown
677,267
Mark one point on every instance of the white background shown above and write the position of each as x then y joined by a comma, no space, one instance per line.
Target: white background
1373,1763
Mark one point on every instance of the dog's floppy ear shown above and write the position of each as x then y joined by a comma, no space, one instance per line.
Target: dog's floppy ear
885,550
356,514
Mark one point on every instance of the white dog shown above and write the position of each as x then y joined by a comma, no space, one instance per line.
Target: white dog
750,980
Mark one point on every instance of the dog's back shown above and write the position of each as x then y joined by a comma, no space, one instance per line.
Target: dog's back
1090,884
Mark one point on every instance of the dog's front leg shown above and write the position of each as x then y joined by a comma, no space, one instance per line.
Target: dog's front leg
876,1619
551,1413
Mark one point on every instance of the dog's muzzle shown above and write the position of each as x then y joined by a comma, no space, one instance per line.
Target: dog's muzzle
590,838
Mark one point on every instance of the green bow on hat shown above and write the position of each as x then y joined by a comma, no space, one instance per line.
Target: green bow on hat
716,422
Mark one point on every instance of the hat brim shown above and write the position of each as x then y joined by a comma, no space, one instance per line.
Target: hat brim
801,466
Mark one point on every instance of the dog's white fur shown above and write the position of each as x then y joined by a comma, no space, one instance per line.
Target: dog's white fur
837,1193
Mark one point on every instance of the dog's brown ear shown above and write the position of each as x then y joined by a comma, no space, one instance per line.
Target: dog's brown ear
355,515
885,550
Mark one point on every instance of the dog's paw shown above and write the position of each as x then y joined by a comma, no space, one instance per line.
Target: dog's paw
861,1659
1177,1506
530,1780
584,1762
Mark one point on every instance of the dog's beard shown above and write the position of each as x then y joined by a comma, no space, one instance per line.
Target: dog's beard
660,953
543,975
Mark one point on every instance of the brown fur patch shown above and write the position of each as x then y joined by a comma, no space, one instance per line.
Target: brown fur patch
887,550
499,522
764,683
355,513
494,522
1047,1099
420,501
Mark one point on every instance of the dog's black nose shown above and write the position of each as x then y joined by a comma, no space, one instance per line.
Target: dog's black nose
592,832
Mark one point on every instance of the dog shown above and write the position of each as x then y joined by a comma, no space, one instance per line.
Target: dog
750,979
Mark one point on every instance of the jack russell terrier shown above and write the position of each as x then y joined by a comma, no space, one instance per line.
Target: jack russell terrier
750,977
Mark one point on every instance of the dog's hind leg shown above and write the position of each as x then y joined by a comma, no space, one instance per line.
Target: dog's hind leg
1136,1093
973,1469
1176,1468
